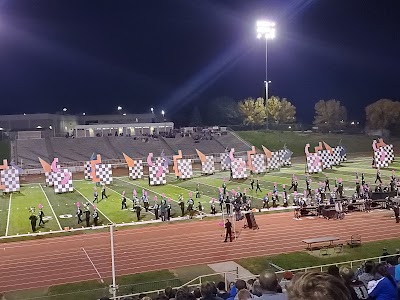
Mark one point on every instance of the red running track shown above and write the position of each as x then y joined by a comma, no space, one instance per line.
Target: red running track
59,260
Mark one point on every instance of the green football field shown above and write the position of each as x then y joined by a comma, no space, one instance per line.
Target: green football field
60,209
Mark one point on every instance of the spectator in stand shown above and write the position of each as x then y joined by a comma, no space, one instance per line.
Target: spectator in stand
287,277
184,294
197,293
257,288
383,287
221,290
239,285
367,275
317,286
169,292
207,292
334,271
397,271
244,294
356,287
269,287
384,253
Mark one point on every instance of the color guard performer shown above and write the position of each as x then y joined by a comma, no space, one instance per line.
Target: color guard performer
252,184
103,192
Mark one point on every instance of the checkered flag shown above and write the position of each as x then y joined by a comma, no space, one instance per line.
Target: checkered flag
10,179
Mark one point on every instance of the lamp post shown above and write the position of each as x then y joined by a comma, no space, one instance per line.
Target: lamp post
266,30
163,114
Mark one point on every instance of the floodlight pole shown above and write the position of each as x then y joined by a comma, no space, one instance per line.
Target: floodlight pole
266,80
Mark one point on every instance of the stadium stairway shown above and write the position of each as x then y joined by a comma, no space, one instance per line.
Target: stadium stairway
49,148
162,139
114,151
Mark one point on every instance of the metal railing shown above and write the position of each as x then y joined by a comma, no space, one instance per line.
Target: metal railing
321,268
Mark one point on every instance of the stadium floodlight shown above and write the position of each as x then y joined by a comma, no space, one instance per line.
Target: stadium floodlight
266,29
39,127
83,114
119,108
124,114
65,109
1,128
163,113
24,114
152,110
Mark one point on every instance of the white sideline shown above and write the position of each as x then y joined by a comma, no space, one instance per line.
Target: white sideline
51,207
101,279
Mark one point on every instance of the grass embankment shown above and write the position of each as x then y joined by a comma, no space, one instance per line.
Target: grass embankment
304,259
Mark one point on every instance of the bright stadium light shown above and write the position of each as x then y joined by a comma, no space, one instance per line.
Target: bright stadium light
39,127
124,114
163,113
266,30
65,109
1,128
83,114
152,110
119,108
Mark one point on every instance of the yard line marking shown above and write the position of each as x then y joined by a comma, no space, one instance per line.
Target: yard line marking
128,199
144,188
8,217
101,279
93,206
51,207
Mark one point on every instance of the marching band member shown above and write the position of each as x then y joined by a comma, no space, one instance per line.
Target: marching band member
79,214
198,190
181,204
123,201
145,200
190,204
156,207
169,209
340,188
213,209
293,181
358,187
308,186
95,215
275,200
378,175
95,196
327,183
265,201
362,179
41,215
103,192
285,200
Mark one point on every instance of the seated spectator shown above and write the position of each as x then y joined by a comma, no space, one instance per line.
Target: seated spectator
239,285
207,292
334,271
317,286
250,283
356,287
383,287
367,275
221,290
269,287
257,288
197,293
244,294
287,276
184,294
385,253
169,292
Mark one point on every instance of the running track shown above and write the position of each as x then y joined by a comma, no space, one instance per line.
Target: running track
59,260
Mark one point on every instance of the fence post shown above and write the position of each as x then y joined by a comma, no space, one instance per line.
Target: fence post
351,265
237,272
226,281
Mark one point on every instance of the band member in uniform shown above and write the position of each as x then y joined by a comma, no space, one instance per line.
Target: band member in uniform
396,210
155,208
284,191
265,201
33,220
79,214
123,201
224,187
145,200
358,188
285,200
362,179
340,188
392,184
41,215
95,216
252,184
228,205
169,209
200,208
327,184
293,180
163,210
198,191
87,216
181,205
378,176
137,209
228,229
258,188
275,189
275,200
103,192
95,196
308,186
190,204
213,209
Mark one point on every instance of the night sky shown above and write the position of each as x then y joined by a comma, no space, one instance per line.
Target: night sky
91,56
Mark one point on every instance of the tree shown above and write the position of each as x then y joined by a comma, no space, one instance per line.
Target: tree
382,114
223,111
281,111
253,111
330,115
